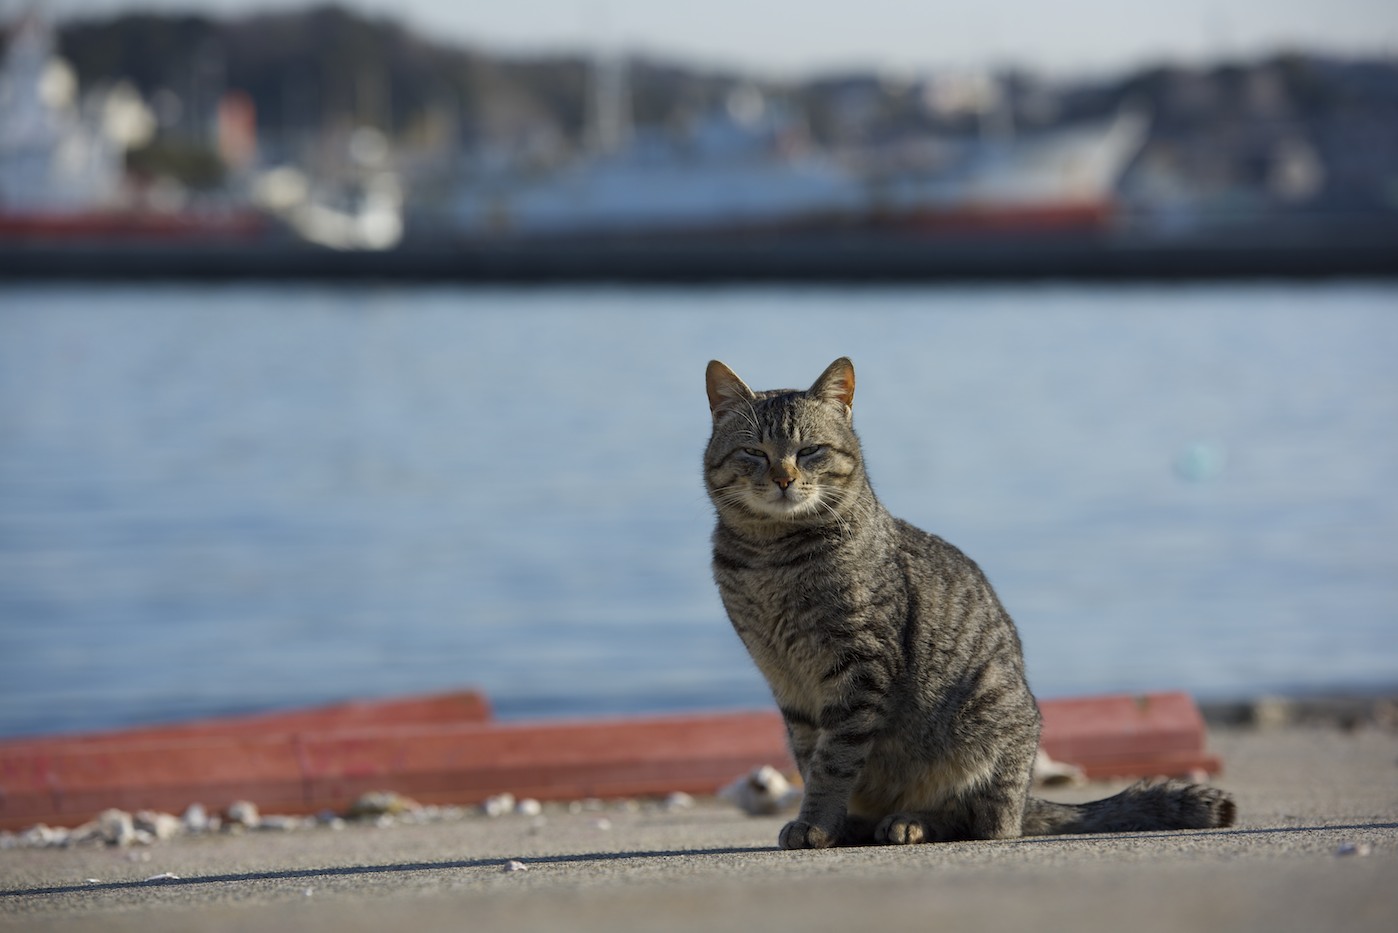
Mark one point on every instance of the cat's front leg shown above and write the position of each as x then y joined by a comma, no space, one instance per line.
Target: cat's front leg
997,810
801,736
840,751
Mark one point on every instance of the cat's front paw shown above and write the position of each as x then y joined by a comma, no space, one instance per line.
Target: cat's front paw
901,829
801,835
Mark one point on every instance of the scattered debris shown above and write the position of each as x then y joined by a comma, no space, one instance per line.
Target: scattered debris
328,819
1357,849
514,865
243,813
382,803
40,836
498,805
120,828
117,827
761,792
161,826
282,823
197,820
163,876
1051,773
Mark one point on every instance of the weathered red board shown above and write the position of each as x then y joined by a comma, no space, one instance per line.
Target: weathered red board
444,749
454,708
1142,735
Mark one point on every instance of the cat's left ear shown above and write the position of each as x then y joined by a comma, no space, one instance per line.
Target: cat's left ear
726,390
836,384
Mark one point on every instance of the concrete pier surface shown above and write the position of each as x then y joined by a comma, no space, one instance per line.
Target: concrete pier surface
1316,848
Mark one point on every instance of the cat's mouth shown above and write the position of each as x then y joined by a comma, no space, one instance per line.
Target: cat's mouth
784,503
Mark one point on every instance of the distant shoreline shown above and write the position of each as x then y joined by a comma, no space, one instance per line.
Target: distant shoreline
806,258
1339,709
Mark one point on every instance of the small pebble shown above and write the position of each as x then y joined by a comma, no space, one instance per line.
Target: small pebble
380,802
761,792
117,827
280,823
330,820
40,835
603,824
529,807
164,876
679,800
196,818
1354,848
87,832
514,865
498,805
244,813
160,825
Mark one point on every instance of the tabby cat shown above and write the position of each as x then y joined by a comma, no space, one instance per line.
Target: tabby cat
897,671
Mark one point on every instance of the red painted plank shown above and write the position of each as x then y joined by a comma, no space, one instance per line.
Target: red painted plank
70,784
54,783
461,706
1081,731
550,761
316,759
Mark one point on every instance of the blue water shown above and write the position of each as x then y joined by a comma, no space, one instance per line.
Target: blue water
234,498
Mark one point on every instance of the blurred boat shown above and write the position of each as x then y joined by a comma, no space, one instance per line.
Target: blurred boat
1058,180
62,161
750,169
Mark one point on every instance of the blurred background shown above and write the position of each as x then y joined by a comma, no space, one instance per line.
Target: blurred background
230,482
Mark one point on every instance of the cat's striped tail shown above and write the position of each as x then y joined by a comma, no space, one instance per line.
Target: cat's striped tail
1142,807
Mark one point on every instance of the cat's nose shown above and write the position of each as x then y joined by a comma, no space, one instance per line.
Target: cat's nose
782,481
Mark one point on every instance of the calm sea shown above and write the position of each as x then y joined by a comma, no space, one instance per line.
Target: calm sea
234,498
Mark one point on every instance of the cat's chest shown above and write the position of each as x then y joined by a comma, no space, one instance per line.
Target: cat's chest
794,636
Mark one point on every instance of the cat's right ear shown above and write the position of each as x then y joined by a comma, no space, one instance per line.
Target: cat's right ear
726,391
836,384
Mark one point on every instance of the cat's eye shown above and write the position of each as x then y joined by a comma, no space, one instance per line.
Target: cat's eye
809,451
754,452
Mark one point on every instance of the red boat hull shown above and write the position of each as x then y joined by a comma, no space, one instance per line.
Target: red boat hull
129,226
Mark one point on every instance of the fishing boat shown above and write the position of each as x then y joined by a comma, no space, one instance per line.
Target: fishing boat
749,168
62,160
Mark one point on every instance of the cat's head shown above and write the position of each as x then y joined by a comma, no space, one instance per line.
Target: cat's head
783,455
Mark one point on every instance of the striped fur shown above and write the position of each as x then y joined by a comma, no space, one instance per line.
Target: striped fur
899,674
